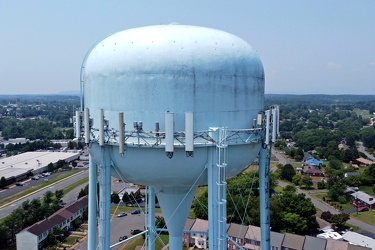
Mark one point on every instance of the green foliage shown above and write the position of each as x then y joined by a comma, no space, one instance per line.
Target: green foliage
31,212
160,222
306,181
368,137
321,185
83,192
338,219
293,213
296,179
287,172
50,167
290,212
200,206
115,198
3,182
290,188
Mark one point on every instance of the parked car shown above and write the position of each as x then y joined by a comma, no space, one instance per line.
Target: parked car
136,211
362,209
135,231
122,238
122,214
35,178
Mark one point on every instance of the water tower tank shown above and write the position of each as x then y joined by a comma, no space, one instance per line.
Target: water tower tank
149,71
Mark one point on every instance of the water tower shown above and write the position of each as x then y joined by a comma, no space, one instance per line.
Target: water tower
172,107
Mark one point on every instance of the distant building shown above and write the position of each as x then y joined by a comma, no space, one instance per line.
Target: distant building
362,162
312,170
363,199
359,239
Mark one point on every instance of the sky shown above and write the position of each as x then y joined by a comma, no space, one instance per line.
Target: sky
306,47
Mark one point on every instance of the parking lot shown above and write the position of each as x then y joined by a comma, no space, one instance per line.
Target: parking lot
120,226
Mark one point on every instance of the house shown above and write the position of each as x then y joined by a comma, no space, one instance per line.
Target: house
314,243
199,233
293,242
359,239
363,199
362,162
187,241
35,236
312,170
237,233
252,238
276,240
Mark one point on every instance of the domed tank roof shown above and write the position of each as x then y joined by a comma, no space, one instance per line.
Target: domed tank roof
147,71
172,49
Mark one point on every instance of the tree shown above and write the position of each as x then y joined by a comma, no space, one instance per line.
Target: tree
286,204
3,182
115,198
200,206
50,167
83,192
306,181
290,188
160,222
287,172
296,179
74,164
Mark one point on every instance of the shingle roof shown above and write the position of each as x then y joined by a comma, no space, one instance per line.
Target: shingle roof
60,216
313,243
188,224
253,233
336,244
293,241
236,230
200,225
276,239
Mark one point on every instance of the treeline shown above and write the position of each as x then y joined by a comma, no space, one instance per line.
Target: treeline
28,214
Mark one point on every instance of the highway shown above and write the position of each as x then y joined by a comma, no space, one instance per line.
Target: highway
69,198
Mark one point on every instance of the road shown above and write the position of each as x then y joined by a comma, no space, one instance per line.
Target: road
119,227
362,149
69,198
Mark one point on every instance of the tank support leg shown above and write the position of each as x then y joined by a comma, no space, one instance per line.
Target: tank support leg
93,205
150,218
105,199
264,166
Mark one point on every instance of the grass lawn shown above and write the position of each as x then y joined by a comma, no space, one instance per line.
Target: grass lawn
319,196
366,189
364,113
367,217
139,241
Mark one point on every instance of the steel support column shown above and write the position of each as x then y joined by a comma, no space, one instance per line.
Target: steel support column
264,165
104,199
150,218
93,204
